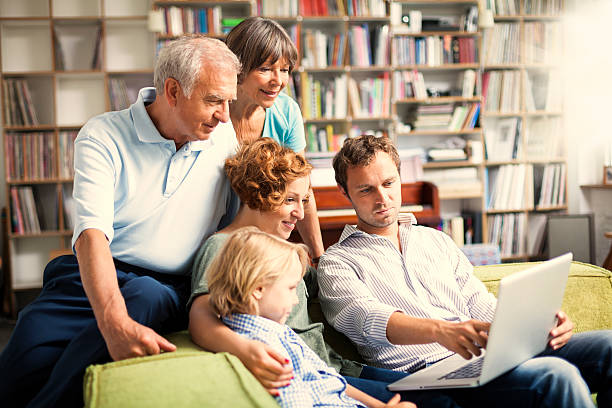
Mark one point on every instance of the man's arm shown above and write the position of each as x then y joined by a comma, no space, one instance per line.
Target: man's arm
124,337
353,309
463,338
209,332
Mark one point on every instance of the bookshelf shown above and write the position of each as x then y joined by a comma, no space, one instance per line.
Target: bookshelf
522,122
62,62
360,71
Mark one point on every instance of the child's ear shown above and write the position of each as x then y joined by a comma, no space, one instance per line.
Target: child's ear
258,293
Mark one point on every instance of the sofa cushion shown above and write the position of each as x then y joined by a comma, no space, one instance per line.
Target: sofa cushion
189,377
588,294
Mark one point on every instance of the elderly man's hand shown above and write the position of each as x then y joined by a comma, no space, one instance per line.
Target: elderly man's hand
128,339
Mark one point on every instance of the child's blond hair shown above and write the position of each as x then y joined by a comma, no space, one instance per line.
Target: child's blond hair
250,258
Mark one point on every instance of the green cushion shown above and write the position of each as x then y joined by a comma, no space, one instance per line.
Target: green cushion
188,377
588,294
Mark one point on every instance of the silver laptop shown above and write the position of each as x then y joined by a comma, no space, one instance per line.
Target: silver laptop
527,304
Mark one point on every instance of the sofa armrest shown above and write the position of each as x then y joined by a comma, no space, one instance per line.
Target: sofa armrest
588,294
188,377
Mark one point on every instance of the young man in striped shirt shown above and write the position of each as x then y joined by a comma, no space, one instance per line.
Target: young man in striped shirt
406,297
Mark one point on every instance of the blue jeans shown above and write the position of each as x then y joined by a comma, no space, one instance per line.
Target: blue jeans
57,337
555,378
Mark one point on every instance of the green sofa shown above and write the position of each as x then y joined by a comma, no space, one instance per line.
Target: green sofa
191,377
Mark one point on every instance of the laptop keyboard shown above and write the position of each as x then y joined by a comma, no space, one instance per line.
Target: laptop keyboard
470,370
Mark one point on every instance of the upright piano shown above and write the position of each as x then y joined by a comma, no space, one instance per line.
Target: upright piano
335,210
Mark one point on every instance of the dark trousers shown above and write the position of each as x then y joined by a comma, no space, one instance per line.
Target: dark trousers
57,337
560,378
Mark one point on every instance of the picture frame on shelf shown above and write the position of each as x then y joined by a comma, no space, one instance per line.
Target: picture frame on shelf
607,175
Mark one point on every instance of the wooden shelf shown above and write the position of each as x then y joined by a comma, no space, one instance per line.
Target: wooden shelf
449,164
439,100
442,132
597,186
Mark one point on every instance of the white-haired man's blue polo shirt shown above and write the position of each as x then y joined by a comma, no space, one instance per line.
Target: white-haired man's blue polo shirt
155,205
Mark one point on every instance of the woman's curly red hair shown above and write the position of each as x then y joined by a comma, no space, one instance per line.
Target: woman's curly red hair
261,171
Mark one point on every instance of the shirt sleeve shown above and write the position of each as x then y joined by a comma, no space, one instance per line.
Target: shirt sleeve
349,305
94,182
480,302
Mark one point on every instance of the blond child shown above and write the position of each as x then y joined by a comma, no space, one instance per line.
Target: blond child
252,284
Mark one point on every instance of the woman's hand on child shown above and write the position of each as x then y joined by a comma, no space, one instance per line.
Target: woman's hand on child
271,369
395,402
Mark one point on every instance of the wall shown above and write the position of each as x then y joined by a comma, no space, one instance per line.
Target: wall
588,110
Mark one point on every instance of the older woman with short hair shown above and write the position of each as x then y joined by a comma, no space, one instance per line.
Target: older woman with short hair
268,57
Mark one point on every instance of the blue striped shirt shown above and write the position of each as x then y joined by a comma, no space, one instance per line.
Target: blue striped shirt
314,383
364,279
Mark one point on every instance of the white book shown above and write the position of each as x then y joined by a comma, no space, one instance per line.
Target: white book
469,80
340,97
562,182
354,98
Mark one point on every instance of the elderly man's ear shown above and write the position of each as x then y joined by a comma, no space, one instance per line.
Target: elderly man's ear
171,91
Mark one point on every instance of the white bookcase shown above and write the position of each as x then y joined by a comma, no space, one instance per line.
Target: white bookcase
66,52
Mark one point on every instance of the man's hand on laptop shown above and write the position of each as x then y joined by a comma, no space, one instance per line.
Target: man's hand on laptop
561,334
465,338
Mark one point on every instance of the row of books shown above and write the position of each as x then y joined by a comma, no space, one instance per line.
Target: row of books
30,156
444,117
24,215
550,185
370,97
370,8
66,156
503,138
501,45
464,229
411,84
543,7
509,187
325,98
369,45
291,8
18,107
519,186
280,8
464,117
34,209
323,50
508,232
118,94
434,50
504,7
500,91
543,43
323,139
179,20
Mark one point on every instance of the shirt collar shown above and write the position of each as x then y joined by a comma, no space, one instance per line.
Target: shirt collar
252,323
145,129
404,226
